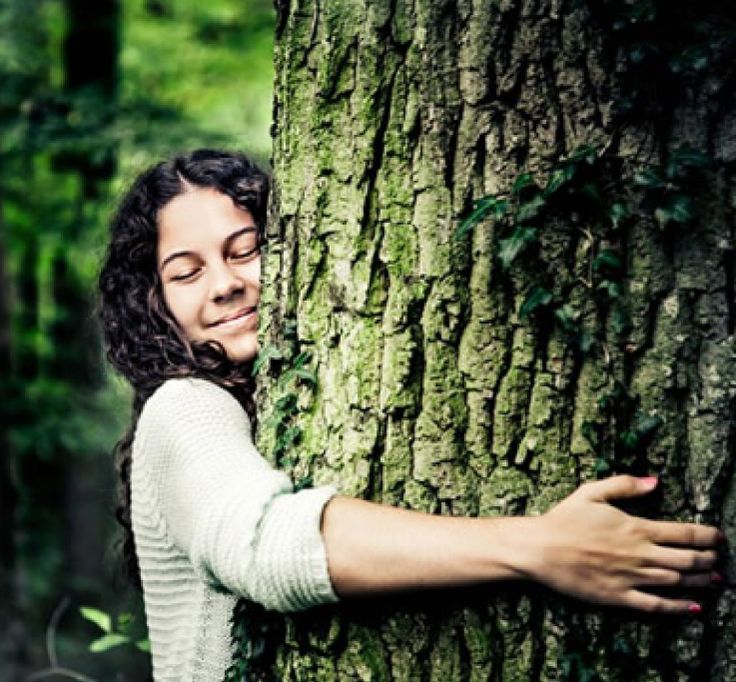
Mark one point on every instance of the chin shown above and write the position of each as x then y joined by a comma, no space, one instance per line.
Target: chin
242,352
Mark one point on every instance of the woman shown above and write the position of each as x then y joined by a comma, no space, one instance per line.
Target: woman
208,520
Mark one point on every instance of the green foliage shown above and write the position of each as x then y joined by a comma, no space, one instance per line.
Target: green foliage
587,192
112,638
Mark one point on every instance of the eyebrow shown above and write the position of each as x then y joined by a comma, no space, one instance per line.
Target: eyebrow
228,240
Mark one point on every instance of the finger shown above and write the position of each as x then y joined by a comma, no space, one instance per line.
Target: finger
681,559
617,487
662,577
643,601
673,533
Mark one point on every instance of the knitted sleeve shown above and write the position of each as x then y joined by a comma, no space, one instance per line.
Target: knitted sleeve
235,517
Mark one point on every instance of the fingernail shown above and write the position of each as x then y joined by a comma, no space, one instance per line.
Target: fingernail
716,577
695,608
720,536
649,481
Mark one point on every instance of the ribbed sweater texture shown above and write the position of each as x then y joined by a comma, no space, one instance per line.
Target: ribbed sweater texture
213,521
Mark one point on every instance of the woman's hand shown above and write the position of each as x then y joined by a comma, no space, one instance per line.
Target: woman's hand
591,550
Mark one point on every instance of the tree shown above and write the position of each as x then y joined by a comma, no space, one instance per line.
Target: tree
501,262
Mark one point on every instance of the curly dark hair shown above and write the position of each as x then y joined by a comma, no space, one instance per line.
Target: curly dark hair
143,341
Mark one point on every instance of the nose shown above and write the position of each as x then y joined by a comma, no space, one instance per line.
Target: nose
225,283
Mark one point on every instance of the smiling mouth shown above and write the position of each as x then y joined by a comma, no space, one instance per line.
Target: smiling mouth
234,317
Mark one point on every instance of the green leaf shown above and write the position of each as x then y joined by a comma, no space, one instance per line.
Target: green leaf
510,248
649,178
530,208
144,645
307,376
302,483
270,352
591,191
607,259
286,403
302,359
586,153
630,439
522,182
558,178
613,289
108,642
620,321
124,621
683,158
101,619
678,208
585,341
618,213
481,208
601,466
646,425
567,316
537,298
289,437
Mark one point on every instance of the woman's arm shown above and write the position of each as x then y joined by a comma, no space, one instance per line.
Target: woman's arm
584,547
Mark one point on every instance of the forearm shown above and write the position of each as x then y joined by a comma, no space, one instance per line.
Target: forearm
376,548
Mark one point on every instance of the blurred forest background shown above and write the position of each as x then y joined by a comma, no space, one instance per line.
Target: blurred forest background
91,92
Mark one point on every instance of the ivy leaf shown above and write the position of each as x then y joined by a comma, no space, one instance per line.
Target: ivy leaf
288,438
646,425
649,178
270,352
620,322
538,297
567,316
618,213
684,158
518,241
306,375
101,619
522,182
286,403
484,206
607,259
302,483
302,359
585,341
108,641
612,289
586,153
629,439
678,208
530,208
601,466
559,177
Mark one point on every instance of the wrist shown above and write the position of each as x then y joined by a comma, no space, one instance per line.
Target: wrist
515,547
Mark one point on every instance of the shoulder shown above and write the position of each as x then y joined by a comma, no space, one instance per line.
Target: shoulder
189,401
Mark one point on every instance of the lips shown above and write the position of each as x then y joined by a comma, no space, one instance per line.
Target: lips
233,316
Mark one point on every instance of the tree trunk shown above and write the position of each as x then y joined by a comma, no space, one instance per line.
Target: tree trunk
435,390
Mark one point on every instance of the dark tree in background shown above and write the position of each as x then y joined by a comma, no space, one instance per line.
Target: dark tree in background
502,263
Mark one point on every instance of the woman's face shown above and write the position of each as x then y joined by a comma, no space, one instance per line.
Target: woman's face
210,269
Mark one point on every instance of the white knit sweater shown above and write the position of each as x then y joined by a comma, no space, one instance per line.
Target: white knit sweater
212,520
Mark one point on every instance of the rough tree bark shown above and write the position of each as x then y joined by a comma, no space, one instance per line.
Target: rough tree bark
433,392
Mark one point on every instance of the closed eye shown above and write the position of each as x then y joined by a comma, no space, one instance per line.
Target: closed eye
185,275
242,255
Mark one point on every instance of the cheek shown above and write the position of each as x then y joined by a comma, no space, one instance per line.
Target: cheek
180,304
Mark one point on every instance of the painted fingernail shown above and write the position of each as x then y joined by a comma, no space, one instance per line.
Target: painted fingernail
649,481
695,608
716,577
720,537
